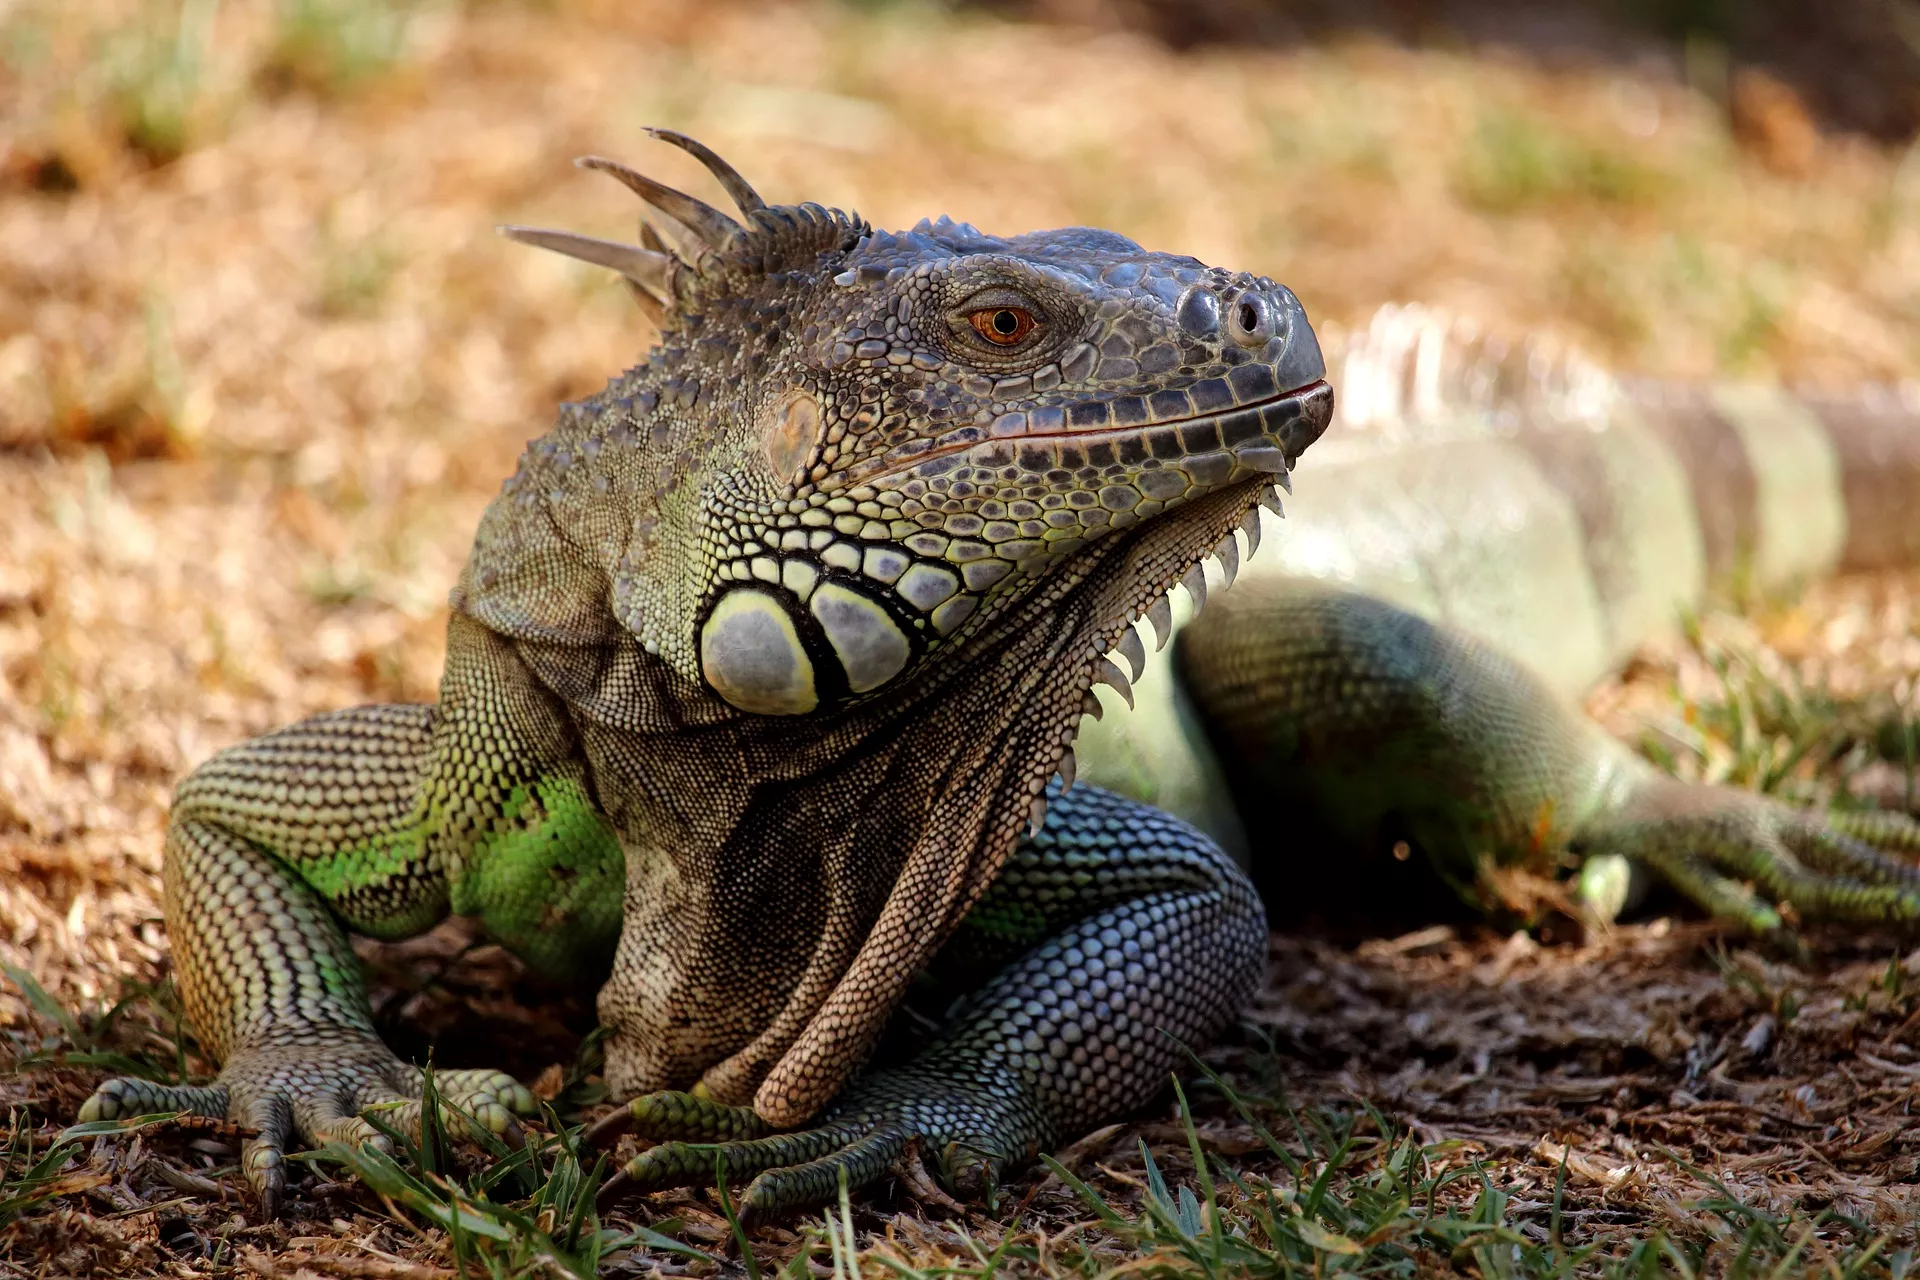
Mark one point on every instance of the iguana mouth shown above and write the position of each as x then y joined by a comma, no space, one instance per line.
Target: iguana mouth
1263,435
1236,466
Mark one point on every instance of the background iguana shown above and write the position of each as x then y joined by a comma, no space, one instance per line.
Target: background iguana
776,643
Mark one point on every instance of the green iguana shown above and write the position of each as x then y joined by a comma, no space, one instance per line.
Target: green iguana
767,657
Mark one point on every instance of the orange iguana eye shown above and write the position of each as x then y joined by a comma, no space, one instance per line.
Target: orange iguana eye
1003,326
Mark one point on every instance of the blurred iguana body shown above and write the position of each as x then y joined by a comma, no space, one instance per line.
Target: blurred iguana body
1484,533
766,655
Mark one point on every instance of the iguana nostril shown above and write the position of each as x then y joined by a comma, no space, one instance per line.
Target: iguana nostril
1251,320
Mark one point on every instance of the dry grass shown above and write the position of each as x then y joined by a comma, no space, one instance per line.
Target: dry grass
262,363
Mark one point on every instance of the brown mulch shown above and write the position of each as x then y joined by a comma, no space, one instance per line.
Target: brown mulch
1648,1053
254,395
1667,1065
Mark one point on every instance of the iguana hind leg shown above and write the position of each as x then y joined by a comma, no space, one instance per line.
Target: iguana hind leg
1366,724
1123,935
1742,855
274,844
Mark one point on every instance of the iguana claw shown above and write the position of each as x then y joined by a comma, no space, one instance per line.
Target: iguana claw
672,1114
805,1167
321,1094
1754,861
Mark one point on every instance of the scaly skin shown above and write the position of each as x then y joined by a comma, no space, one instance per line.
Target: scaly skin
1368,725
787,630
1088,938
776,643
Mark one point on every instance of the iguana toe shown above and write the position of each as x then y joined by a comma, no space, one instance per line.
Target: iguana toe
263,1157
495,1093
466,1115
125,1096
864,1160
671,1114
1885,829
1753,860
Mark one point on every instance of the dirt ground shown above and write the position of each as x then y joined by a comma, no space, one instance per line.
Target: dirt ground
263,362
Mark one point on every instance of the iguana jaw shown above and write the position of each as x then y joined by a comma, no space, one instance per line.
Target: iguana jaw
1097,596
1231,462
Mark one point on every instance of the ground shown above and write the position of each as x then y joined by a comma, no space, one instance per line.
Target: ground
262,363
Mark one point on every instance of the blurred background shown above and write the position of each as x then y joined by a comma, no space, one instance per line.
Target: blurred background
263,360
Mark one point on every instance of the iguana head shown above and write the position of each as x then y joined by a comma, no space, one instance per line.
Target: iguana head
825,583
886,442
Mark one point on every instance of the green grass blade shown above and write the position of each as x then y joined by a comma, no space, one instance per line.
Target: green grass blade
734,1225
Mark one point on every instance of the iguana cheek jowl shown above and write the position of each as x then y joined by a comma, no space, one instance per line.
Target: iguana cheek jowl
871,648
761,648
751,654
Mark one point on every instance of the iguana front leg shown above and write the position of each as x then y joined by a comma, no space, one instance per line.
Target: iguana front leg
1368,725
1119,934
379,820
273,844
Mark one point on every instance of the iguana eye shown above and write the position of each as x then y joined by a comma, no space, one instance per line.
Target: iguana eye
1003,326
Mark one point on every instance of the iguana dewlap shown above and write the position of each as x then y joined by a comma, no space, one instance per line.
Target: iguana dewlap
762,664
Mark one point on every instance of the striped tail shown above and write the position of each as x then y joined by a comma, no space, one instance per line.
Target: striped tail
1521,493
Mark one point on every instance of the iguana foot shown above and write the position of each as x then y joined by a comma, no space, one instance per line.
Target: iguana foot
969,1130
1110,939
320,1093
1756,861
